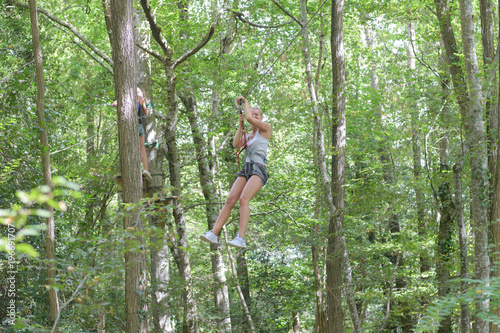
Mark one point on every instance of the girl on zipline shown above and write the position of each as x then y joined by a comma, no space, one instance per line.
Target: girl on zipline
251,177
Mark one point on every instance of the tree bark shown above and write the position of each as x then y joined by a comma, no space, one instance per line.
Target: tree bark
447,206
476,140
125,92
221,294
336,238
238,289
45,155
462,238
490,87
495,221
159,251
471,113
487,39
415,142
169,64
190,308
295,322
320,316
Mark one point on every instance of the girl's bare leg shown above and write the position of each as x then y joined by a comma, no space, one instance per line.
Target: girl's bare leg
144,156
252,187
231,200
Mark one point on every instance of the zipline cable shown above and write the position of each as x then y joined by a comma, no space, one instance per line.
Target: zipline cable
286,48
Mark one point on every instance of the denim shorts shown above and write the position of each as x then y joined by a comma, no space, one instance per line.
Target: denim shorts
141,130
251,168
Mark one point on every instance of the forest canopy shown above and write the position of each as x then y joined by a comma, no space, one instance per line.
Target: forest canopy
381,209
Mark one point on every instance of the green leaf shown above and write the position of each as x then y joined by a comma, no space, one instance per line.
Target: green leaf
27,249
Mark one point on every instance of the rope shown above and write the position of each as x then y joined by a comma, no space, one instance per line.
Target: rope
83,141
262,75
244,146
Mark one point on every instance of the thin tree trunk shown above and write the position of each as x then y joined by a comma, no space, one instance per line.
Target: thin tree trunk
415,142
159,251
238,289
490,87
487,39
47,174
320,316
337,257
190,322
460,89
462,237
295,322
478,158
495,220
242,271
221,294
190,308
125,91
447,206
336,238
159,283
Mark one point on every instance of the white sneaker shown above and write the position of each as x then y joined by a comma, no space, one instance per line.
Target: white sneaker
146,174
237,242
210,237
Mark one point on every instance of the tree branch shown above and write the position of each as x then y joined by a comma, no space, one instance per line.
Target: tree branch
153,53
388,308
198,47
109,69
72,29
155,29
288,13
80,285
240,15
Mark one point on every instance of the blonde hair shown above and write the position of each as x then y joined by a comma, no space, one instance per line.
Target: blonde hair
139,92
257,108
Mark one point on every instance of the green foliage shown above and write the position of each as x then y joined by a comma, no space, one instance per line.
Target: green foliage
380,190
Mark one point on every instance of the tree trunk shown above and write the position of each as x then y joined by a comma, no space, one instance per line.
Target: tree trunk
415,142
490,87
320,316
478,158
238,289
125,91
295,322
447,206
335,314
336,238
337,255
221,293
159,251
462,237
487,39
159,283
474,128
190,309
47,174
190,322
495,220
